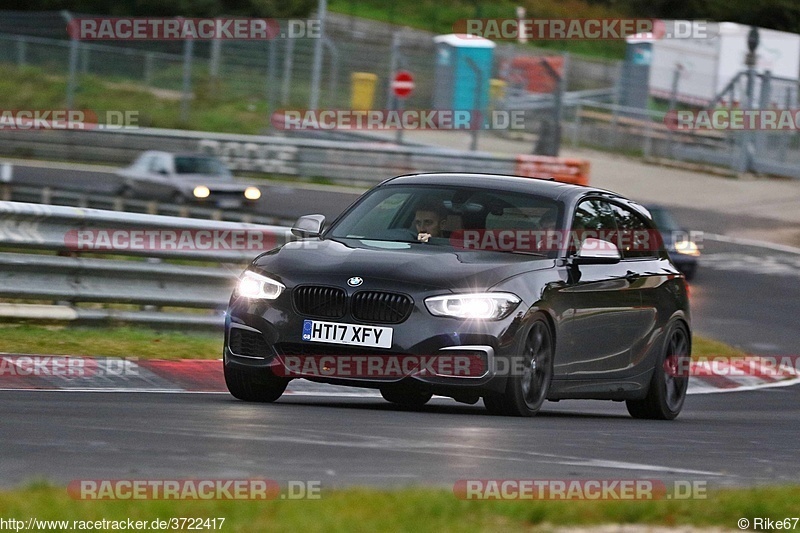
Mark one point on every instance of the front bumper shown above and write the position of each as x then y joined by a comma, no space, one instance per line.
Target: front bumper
428,352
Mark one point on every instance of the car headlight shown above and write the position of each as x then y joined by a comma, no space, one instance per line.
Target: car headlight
258,287
486,306
252,193
687,248
201,191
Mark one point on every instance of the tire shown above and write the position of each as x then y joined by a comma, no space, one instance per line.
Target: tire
406,397
254,385
178,198
525,393
667,390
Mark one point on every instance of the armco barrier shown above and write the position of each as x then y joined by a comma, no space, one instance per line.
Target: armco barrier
58,287
365,163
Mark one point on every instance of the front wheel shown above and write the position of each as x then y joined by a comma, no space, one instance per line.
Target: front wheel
668,385
529,384
254,384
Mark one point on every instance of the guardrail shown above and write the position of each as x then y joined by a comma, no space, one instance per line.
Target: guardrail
116,266
14,192
361,163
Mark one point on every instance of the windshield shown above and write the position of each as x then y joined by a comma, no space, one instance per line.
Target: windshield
200,165
455,217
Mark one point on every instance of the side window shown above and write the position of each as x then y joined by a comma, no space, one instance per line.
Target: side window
593,218
636,239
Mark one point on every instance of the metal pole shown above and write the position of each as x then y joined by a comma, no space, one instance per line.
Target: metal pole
73,64
148,68
673,102
316,69
272,81
334,72
216,51
476,100
390,99
188,46
287,70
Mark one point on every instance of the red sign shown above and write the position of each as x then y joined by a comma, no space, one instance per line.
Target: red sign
403,84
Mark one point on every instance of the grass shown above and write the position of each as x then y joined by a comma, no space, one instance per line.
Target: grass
439,16
411,509
146,343
33,88
124,341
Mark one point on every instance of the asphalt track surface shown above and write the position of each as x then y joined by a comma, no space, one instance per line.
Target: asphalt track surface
744,295
743,438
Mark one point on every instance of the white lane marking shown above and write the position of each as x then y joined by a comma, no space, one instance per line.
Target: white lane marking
764,264
752,242
622,465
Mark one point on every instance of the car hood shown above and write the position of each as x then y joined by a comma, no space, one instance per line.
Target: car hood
423,266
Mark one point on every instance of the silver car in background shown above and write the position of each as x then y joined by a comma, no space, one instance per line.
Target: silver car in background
183,178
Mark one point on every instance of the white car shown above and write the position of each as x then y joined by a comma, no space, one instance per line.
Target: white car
183,178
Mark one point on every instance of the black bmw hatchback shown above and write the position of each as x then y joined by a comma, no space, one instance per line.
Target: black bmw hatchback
513,290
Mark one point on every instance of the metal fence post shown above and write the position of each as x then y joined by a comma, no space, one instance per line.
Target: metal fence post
334,71
673,102
186,94
148,68
316,69
272,81
213,65
473,144
73,64
288,59
576,132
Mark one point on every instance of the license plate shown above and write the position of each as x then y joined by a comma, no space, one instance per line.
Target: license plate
229,202
350,334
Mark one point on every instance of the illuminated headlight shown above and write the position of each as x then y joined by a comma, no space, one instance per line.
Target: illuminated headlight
252,193
201,191
485,306
687,248
258,287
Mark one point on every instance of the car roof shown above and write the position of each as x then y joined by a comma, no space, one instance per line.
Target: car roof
521,184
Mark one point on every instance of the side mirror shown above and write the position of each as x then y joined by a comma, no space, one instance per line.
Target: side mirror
308,226
597,252
163,171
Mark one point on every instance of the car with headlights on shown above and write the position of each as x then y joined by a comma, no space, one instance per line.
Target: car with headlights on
511,290
679,242
185,178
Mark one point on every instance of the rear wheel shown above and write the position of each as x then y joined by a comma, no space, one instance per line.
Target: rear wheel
668,385
406,397
254,384
527,390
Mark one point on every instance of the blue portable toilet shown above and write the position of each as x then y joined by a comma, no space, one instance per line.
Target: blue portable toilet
456,80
